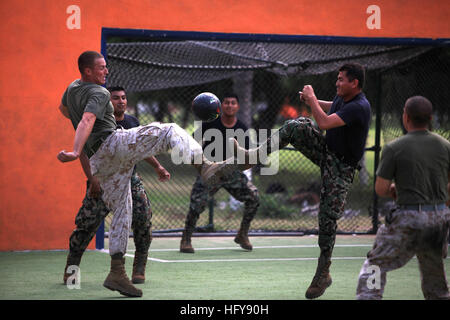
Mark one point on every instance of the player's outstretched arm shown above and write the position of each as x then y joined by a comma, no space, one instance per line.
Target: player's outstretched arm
82,133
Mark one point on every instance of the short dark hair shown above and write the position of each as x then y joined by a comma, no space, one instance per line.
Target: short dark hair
116,88
419,109
230,94
87,60
354,71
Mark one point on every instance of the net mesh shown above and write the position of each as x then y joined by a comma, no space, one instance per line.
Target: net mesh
162,77
160,65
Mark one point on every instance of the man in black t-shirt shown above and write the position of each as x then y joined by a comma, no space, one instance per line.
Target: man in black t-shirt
93,210
237,184
346,121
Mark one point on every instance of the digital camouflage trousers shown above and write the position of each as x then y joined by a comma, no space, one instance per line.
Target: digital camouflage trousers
336,175
93,211
115,159
237,184
407,233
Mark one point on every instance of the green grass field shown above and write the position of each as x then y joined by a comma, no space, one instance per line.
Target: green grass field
279,268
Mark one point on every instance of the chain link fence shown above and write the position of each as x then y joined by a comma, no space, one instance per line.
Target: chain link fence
162,78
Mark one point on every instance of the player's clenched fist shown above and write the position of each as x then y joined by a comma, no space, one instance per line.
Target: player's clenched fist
65,156
307,94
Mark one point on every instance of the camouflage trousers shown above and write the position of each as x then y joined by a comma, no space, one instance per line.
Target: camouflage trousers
93,211
336,175
407,233
113,165
237,184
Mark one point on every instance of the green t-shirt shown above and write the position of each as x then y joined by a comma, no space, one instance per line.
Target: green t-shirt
419,163
82,97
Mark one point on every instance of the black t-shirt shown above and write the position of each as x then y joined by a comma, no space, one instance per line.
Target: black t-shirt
348,142
128,122
216,151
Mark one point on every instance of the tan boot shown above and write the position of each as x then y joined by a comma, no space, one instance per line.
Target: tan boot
321,281
212,172
71,261
249,158
117,279
242,238
139,263
185,244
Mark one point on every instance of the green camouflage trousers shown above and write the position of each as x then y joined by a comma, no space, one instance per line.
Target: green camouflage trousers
336,175
93,212
237,184
407,233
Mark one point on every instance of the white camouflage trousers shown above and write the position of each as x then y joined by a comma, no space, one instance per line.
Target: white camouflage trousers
113,165
407,233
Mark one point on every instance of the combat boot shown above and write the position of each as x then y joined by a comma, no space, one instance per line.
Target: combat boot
72,260
249,158
185,244
321,281
139,263
117,279
242,237
212,172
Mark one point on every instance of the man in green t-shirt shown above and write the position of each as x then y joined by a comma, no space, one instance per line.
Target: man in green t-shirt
113,154
419,165
93,210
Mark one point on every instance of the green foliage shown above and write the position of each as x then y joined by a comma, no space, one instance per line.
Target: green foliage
274,206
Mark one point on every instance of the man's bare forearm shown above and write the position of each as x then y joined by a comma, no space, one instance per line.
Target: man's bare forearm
83,132
325,105
153,162
318,113
385,188
85,164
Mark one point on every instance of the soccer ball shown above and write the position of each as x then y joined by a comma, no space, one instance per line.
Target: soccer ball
206,106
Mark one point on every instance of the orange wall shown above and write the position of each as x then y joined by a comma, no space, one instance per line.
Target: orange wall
39,196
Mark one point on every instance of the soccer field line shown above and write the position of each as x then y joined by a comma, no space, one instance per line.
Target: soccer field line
246,260
264,247
250,260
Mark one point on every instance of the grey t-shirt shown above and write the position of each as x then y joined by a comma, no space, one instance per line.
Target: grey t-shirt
419,163
81,97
